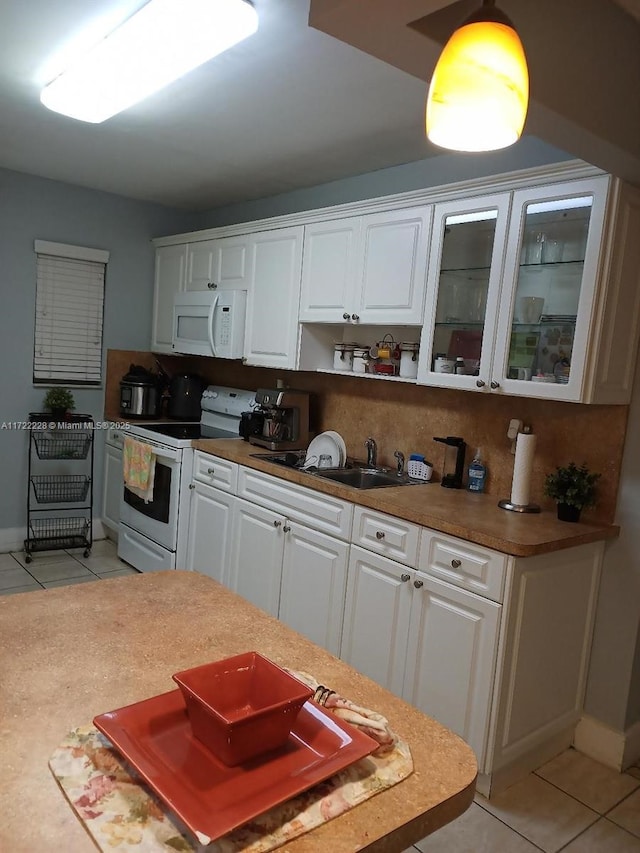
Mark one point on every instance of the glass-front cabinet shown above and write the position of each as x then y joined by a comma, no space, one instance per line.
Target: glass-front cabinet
463,291
510,291
550,275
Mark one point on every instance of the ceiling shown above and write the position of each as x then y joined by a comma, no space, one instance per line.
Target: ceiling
293,106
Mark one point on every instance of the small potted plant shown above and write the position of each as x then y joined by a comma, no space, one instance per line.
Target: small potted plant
59,401
572,488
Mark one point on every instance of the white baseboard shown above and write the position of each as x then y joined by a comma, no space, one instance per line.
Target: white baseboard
617,749
12,538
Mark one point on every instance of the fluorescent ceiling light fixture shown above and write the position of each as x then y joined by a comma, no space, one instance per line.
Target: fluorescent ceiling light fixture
161,42
479,92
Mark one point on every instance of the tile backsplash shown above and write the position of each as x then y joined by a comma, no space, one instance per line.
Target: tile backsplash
406,417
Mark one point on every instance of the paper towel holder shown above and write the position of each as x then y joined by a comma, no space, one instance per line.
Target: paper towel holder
506,504
515,427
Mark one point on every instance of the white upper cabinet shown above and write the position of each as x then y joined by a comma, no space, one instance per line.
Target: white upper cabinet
463,291
169,280
537,292
274,295
223,264
366,269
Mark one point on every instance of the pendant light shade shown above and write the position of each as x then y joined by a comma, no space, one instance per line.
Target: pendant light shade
479,91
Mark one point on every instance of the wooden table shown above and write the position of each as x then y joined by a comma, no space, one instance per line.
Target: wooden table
72,652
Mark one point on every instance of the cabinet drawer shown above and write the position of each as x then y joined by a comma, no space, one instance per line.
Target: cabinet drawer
387,535
322,512
215,471
463,564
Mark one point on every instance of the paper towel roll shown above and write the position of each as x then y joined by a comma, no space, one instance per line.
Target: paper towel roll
522,467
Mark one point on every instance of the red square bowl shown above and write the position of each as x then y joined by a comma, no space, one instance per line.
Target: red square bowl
241,707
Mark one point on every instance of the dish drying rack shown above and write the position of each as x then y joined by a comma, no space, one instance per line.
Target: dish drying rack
59,497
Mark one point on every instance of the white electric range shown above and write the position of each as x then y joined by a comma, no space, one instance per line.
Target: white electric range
153,535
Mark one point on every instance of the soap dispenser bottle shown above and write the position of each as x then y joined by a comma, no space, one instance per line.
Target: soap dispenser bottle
477,473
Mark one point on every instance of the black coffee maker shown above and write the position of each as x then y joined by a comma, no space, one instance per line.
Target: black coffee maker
453,468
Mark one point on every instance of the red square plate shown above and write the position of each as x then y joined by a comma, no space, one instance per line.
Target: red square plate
210,798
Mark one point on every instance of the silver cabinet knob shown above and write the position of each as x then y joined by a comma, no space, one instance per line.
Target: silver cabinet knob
418,584
480,383
405,577
355,317
346,316
212,285
495,385
277,523
191,486
211,470
286,528
456,563
379,534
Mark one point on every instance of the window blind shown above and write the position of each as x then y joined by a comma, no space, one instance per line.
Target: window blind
69,309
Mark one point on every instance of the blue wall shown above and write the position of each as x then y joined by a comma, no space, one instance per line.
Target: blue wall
35,208
432,172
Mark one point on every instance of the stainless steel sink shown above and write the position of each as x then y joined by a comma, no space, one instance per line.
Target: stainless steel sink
362,478
355,474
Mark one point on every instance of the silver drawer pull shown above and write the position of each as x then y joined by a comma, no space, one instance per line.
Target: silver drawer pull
277,523
286,528
456,564
379,534
211,470
191,486
418,584
405,577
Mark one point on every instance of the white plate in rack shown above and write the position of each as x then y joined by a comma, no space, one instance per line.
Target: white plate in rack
340,442
324,443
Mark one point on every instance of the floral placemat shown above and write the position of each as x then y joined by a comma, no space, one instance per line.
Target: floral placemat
122,814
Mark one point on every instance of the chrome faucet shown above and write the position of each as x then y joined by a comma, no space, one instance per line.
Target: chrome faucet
372,452
400,457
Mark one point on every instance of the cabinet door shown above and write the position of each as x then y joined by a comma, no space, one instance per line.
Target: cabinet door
113,487
547,307
314,577
451,658
256,555
210,524
200,265
169,280
329,271
463,292
274,297
391,279
376,618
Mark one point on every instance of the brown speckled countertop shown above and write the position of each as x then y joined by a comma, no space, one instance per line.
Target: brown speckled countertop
72,652
476,518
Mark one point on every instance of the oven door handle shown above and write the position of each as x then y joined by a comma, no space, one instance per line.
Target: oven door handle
165,453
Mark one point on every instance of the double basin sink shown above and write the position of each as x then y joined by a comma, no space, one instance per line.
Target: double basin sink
358,475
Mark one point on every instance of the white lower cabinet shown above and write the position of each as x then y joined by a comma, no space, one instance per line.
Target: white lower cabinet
290,554
451,658
210,524
112,487
377,612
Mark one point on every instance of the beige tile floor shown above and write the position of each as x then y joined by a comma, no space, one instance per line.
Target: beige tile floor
571,804
60,568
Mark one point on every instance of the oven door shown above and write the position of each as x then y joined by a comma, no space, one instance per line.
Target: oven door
157,519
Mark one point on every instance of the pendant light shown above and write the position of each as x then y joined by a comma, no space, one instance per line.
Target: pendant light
479,90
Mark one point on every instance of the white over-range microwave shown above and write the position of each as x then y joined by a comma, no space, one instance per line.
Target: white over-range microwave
210,322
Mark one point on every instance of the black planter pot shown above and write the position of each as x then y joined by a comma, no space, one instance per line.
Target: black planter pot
568,512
